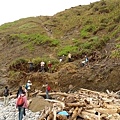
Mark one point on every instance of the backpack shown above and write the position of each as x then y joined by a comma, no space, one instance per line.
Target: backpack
26,86
48,88
6,92
20,101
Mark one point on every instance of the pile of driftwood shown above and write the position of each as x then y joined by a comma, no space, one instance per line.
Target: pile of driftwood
82,105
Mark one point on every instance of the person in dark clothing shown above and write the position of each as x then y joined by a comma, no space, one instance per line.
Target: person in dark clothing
20,91
30,65
6,96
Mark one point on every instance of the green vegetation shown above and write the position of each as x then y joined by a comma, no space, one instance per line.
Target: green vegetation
7,25
21,64
85,32
19,61
66,49
115,54
27,26
32,40
79,30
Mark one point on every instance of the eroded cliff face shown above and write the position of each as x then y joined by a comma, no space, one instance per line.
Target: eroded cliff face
97,76
102,72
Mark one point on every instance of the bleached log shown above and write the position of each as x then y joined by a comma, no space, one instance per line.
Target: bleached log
15,96
11,96
54,113
71,110
111,106
29,101
50,117
56,101
77,104
93,92
54,93
34,93
106,111
89,116
57,107
45,113
75,114
91,111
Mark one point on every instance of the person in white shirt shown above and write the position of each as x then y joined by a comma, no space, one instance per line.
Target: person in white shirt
42,66
28,86
69,57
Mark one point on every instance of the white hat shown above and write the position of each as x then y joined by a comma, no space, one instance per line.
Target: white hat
29,81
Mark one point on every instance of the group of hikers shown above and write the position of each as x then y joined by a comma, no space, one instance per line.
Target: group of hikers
23,92
22,96
43,67
48,66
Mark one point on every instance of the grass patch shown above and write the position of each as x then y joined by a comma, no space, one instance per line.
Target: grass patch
35,39
85,32
27,26
115,54
66,49
19,61
7,25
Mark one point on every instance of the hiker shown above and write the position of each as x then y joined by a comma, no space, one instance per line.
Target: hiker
28,87
50,66
21,104
26,93
42,64
47,90
6,95
85,62
62,58
30,65
69,57
24,87
20,91
86,59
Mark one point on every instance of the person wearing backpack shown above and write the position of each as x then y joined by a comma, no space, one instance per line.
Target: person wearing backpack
28,87
6,95
21,104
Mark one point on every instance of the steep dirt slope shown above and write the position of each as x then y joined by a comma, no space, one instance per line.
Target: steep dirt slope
72,27
100,75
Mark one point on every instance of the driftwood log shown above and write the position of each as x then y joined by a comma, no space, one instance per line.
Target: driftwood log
84,104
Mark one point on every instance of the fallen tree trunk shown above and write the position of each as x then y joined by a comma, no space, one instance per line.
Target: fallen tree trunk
106,111
54,93
78,104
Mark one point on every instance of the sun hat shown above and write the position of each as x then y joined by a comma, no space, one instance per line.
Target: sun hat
29,81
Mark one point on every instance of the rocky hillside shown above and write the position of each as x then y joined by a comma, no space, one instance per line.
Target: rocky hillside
91,30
